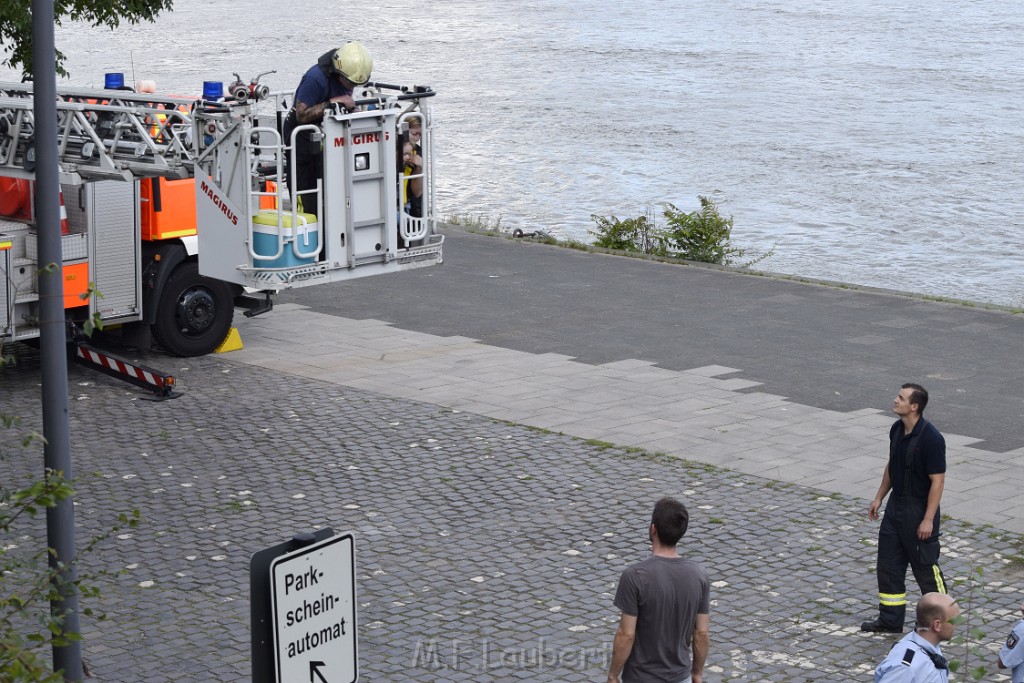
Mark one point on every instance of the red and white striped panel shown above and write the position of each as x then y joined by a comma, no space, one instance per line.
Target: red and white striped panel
65,225
123,368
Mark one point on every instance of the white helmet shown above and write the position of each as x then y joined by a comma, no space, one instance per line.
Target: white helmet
353,62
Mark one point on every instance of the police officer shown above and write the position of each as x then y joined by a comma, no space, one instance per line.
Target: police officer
1011,656
917,658
330,81
909,534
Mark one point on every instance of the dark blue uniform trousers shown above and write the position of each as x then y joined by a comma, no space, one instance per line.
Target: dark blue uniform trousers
898,546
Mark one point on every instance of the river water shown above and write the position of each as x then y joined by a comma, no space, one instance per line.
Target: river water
869,142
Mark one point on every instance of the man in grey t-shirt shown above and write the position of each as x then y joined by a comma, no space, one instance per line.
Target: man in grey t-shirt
665,602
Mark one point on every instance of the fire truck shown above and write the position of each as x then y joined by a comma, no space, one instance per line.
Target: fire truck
177,209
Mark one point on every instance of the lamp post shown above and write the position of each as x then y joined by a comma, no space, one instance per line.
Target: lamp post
60,518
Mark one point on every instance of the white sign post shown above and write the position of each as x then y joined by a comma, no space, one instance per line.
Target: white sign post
313,593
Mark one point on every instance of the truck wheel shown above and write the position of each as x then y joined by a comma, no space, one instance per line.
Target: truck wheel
194,313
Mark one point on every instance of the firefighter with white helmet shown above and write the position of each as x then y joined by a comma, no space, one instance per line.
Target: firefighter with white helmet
330,81
352,62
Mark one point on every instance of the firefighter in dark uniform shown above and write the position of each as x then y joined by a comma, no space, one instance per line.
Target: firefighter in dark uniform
909,534
328,82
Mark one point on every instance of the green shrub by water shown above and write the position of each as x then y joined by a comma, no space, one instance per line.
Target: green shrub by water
703,235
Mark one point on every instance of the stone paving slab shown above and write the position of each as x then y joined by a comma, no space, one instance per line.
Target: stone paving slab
791,336
838,451
486,551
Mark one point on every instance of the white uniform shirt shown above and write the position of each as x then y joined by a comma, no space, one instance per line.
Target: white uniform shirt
908,663
1012,654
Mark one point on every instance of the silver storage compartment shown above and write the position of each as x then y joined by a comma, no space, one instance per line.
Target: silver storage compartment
18,284
74,247
107,213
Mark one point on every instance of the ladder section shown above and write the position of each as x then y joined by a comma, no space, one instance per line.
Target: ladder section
102,134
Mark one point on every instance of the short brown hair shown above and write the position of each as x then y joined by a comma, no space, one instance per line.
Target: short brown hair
930,610
670,520
918,396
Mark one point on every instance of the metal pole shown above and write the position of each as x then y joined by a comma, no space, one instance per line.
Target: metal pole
60,519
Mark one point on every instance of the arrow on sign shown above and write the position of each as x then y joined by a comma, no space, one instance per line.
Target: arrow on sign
314,669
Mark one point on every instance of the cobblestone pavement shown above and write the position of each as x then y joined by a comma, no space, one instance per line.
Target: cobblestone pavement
486,551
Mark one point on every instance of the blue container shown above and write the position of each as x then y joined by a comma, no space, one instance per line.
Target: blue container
265,239
213,91
113,81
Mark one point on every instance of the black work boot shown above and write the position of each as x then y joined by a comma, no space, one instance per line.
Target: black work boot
877,626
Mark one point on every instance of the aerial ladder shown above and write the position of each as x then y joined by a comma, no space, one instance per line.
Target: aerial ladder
177,208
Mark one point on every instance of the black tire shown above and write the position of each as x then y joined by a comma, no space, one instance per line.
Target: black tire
194,313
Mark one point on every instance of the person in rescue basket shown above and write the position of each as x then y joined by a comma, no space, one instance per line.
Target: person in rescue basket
412,165
909,534
330,81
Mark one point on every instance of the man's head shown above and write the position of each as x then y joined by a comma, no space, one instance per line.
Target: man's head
912,398
351,64
934,611
670,520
